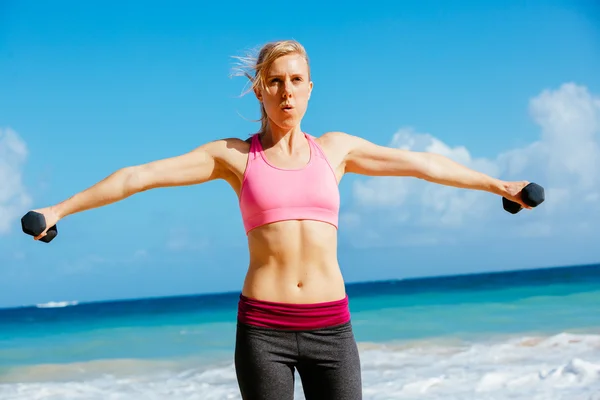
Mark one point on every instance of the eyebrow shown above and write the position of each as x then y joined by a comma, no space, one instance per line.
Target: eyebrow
280,75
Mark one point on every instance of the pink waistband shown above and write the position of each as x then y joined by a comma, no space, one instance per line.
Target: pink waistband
286,316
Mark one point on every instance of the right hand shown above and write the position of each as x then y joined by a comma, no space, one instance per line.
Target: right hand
513,192
51,217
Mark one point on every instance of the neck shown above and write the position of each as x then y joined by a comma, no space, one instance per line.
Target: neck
285,139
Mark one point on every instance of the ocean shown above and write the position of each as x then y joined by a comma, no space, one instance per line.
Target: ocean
532,334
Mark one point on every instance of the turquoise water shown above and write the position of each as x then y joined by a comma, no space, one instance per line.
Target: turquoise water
199,331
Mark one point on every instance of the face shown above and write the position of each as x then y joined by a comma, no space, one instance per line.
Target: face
286,91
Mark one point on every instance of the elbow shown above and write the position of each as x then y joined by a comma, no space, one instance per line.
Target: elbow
425,166
132,178
434,167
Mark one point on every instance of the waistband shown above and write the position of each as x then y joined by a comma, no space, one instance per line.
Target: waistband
287,316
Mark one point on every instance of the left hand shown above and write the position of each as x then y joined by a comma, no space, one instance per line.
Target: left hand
513,192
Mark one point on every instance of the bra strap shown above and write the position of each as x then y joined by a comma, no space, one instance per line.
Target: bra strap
254,147
315,146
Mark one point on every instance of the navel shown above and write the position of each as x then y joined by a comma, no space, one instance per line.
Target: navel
300,284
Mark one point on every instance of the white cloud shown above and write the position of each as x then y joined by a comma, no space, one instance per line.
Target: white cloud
565,160
13,194
567,155
415,200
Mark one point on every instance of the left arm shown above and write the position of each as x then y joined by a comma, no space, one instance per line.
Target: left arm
366,158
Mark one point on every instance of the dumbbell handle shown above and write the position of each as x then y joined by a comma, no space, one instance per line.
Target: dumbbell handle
34,223
533,195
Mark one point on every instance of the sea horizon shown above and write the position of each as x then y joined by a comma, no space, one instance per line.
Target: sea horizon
350,286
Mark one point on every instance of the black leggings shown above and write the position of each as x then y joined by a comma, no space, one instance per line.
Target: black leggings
326,359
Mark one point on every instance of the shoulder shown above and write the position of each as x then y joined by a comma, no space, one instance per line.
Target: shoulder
333,136
339,141
227,147
227,155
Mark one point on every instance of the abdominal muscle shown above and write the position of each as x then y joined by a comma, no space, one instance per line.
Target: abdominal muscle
294,262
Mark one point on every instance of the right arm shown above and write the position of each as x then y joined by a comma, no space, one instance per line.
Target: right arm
200,165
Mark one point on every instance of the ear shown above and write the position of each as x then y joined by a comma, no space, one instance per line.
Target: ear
258,94
310,88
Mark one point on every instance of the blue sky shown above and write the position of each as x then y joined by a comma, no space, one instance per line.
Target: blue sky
87,88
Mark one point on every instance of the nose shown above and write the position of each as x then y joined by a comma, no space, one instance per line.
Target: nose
287,89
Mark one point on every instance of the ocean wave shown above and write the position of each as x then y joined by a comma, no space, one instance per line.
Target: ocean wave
57,304
563,366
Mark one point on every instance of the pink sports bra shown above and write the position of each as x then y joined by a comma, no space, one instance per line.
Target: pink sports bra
270,194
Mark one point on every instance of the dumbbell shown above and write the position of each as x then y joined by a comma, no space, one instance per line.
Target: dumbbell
34,223
532,195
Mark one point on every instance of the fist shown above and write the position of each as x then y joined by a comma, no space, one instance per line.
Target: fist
514,192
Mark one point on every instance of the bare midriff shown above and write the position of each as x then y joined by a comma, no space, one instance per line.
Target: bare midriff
294,262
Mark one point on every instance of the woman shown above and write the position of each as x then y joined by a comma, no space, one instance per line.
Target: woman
293,310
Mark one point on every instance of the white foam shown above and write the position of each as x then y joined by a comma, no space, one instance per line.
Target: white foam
565,366
57,304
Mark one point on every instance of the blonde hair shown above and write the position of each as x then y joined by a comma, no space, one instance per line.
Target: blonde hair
255,67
